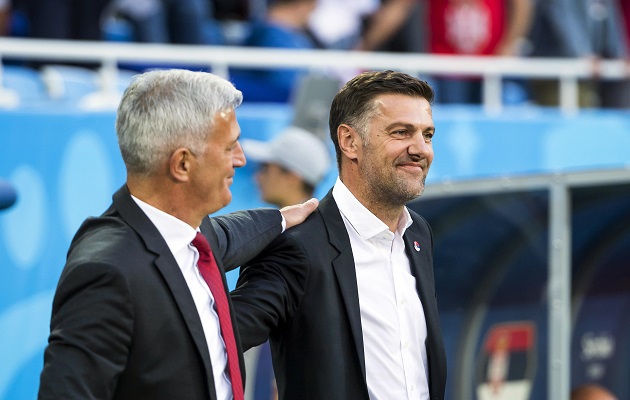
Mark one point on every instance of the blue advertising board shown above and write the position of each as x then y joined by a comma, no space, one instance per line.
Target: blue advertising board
65,165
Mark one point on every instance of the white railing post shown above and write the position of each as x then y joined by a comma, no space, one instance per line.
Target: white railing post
559,291
221,69
569,94
492,93
108,95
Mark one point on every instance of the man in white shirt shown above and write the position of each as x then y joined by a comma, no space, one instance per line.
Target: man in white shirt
133,316
348,297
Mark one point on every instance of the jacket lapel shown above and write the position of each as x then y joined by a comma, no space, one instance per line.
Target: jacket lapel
167,266
418,246
343,265
418,249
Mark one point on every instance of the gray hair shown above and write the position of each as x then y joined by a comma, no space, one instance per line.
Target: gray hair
164,110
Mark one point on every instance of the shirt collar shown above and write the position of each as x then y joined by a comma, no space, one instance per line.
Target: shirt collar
175,232
366,224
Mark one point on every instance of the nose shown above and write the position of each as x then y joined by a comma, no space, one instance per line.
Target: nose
238,158
421,147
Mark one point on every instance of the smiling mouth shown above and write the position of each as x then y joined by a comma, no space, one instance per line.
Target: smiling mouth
413,167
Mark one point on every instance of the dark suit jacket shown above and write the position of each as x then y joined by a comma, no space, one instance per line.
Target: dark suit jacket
302,293
124,324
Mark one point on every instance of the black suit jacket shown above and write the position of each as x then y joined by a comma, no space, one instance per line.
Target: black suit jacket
302,293
124,324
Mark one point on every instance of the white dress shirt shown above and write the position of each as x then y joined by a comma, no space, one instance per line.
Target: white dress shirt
334,20
392,318
179,236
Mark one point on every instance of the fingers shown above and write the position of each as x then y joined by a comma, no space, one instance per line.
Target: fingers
310,205
296,214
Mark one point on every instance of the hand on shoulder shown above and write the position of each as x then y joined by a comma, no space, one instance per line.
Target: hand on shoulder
296,214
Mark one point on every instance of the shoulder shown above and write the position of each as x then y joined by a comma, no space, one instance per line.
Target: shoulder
299,237
312,227
420,223
417,217
100,262
104,240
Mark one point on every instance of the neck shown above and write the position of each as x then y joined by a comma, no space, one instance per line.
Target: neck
163,195
387,213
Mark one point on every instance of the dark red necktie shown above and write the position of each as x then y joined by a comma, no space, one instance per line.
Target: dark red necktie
210,272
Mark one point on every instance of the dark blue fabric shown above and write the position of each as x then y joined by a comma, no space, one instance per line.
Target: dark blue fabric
270,85
7,194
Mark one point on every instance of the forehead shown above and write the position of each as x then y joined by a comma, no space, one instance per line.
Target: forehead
402,106
272,168
225,125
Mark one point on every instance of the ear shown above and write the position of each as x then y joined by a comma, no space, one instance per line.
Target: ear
180,164
349,141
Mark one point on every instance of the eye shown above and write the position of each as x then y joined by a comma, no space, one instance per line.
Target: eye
428,136
400,132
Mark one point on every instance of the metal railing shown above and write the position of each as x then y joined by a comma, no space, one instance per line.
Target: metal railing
568,71
560,227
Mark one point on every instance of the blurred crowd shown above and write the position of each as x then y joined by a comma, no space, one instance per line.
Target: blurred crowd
591,29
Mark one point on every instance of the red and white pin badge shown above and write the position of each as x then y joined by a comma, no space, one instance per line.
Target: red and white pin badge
416,246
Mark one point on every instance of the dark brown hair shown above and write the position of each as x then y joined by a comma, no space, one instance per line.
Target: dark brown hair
353,104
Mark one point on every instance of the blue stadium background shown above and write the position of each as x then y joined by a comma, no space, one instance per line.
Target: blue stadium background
65,164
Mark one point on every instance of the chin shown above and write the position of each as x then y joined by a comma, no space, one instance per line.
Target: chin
224,200
227,200
412,194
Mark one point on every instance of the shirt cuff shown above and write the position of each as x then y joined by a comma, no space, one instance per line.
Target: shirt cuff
284,223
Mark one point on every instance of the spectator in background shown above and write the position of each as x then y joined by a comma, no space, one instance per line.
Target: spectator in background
591,392
241,10
292,165
338,24
625,9
388,20
358,24
367,25
475,27
65,19
283,27
411,33
5,17
166,21
580,28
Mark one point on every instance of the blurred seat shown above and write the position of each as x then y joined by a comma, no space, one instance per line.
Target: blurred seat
69,83
21,86
85,88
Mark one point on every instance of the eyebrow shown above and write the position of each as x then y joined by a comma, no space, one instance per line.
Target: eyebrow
410,127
